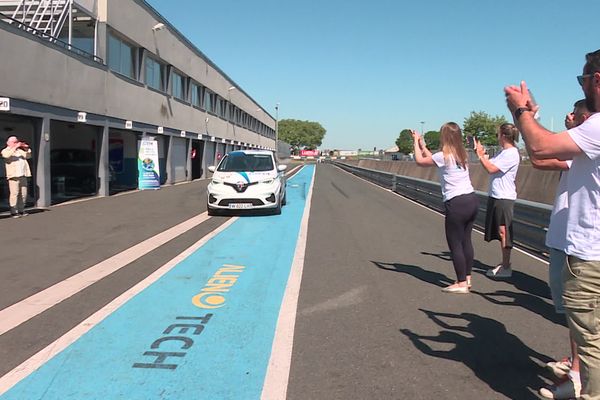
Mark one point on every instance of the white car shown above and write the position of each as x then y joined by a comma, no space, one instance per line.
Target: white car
246,179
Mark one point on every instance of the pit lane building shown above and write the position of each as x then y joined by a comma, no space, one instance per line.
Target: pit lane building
82,81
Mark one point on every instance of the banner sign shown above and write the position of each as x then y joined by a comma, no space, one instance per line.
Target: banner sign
309,153
148,170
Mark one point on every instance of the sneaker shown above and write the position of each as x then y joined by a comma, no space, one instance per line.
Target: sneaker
469,282
566,390
561,368
456,289
15,215
499,272
24,214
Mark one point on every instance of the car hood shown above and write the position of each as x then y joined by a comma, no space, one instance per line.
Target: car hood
245,177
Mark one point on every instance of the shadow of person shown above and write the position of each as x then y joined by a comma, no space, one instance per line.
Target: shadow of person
527,301
424,275
519,280
497,357
444,255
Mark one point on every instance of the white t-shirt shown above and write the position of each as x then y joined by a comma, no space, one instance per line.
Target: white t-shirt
583,187
557,229
502,183
454,179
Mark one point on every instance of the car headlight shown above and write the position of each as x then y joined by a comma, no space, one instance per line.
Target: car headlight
268,181
216,182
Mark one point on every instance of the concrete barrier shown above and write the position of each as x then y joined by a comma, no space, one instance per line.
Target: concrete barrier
532,184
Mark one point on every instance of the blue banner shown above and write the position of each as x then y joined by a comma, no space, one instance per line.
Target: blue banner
148,171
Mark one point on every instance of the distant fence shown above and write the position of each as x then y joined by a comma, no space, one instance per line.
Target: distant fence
530,221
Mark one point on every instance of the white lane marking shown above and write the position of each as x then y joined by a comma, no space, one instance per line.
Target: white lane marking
20,312
278,370
439,213
40,358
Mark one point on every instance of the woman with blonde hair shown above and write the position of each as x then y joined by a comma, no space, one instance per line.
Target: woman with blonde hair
460,201
501,195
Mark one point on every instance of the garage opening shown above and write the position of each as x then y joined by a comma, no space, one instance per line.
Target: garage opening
73,161
26,130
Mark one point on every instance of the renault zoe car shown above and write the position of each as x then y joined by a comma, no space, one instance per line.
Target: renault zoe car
246,180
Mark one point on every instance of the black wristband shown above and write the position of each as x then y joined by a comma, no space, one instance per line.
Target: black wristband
520,111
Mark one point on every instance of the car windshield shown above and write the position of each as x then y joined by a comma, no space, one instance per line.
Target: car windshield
242,162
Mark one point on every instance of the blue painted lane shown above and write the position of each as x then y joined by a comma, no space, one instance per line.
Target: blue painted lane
203,331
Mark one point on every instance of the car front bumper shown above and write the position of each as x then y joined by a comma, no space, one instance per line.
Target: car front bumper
259,196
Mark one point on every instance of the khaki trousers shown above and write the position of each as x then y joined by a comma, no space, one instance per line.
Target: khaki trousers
581,297
18,194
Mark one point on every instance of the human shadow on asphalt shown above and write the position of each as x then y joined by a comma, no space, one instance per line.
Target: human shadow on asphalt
527,301
497,357
444,255
519,280
435,278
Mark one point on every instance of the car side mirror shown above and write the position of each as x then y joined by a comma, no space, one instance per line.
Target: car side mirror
281,167
212,168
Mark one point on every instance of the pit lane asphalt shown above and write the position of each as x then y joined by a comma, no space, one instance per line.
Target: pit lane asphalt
372,322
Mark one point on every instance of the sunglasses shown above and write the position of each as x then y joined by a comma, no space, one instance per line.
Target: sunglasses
581,77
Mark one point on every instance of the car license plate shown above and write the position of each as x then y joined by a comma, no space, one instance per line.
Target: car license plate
240,205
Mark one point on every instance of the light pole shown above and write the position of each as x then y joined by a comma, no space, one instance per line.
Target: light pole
231,120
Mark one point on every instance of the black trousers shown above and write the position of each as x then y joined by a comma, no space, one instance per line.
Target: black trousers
461,212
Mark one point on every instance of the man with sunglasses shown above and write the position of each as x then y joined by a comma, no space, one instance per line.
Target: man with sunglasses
581,278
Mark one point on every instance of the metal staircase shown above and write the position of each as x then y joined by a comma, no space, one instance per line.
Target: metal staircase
47,17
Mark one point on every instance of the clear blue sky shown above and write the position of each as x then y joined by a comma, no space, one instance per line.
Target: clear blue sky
366,70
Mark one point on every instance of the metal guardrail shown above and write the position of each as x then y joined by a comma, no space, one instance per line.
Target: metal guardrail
41,34
530,220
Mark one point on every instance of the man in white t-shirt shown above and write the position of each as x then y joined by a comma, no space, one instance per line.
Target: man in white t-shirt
555,241
581,278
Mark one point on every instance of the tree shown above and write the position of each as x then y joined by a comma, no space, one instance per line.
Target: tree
301,134
483,126
432,139
405,142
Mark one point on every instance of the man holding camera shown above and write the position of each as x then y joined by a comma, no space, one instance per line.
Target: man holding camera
15,154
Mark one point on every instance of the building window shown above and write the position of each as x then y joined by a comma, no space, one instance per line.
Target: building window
219,106
121,56
177,86
209,103
221,109
195,94
155,73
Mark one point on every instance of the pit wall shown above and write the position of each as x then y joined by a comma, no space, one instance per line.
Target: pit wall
532,184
